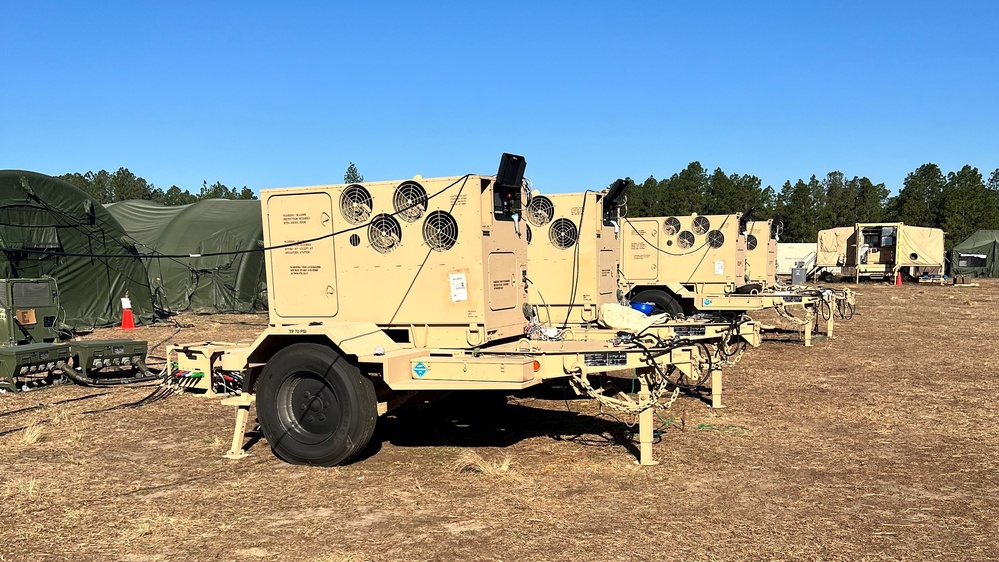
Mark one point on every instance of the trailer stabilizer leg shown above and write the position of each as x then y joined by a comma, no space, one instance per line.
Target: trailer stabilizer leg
242,403
808,332
645,430
716,389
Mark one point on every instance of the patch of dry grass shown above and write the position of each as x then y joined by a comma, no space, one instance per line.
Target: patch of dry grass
470,462
32,433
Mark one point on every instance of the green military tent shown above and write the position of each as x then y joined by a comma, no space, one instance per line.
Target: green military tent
977,256
51,228
228,283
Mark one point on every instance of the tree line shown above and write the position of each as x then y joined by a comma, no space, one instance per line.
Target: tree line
958,202
122,185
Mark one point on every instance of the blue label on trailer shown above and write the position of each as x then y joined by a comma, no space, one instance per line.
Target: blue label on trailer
420,369
707,302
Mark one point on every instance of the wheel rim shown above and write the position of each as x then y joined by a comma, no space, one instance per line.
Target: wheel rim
308,407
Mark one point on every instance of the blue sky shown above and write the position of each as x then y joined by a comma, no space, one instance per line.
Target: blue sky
281,94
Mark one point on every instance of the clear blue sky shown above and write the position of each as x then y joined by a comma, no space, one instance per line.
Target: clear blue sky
287,93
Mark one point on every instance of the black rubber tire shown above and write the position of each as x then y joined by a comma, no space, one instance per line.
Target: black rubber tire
314,406
827,277
662,302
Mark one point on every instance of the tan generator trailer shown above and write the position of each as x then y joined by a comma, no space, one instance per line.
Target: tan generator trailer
880,251
574,260
697,264
689,255
379,291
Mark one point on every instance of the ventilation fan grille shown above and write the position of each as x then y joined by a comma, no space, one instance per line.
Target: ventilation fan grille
563,234
355,204
701,225
671,226
716,239
529,233
440,231
384,233
685,239
410,201
751,242
540,211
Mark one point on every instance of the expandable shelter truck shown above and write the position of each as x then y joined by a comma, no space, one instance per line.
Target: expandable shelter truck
381,290
880,251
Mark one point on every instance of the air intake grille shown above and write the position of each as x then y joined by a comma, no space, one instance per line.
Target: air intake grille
701,225
685,239
563,234
31,294
716,239
540,211
440,231
751,242
671,226
410,201
355,204
384,233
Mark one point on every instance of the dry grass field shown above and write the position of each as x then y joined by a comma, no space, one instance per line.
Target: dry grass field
882,444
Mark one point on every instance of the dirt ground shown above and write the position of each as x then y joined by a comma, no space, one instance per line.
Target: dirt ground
879,444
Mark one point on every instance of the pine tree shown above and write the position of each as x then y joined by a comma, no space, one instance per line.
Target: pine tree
352,175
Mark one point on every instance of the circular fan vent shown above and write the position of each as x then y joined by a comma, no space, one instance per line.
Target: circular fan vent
355,204
716,239
540,211
685,240
563,234
701,225
410,201
384,233
528,233
751,242
440,231
671,226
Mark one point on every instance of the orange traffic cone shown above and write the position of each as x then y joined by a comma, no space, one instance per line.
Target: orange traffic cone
127,321
898,278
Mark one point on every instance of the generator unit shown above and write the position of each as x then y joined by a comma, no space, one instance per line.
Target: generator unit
381,290
689,250
573,254
426,258
29,311
761,253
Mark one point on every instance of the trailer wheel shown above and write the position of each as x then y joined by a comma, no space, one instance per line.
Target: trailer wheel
827,277
314,406
662,302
